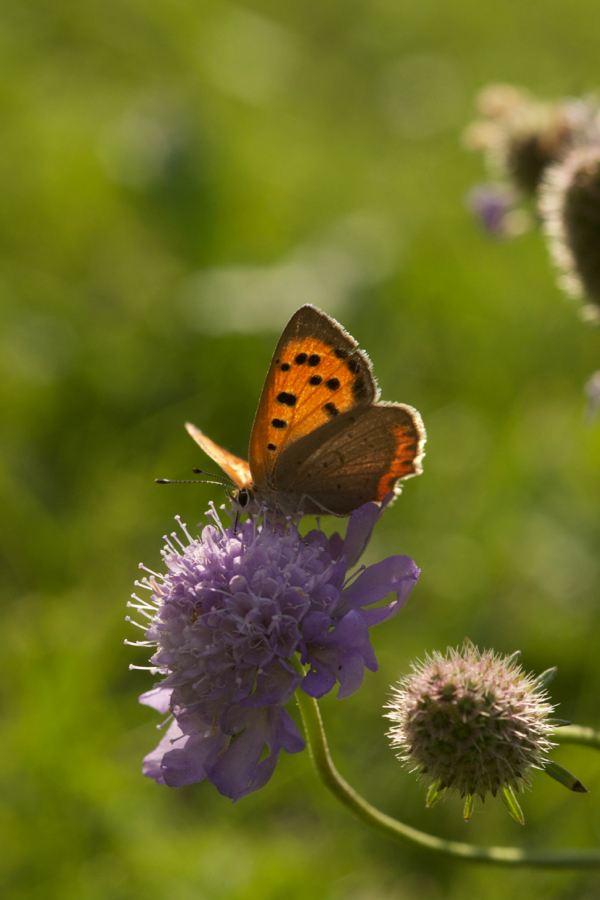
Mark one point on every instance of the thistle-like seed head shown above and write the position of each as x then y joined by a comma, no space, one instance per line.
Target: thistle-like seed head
521,136
471,722
570,209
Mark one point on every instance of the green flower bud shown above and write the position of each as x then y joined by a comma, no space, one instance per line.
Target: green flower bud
473,723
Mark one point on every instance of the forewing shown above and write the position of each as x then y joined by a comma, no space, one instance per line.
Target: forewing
358,457
316,374
237,469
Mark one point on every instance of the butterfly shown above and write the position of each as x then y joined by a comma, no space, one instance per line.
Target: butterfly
321,441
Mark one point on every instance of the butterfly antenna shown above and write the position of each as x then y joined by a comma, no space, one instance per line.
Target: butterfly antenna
186,481
211,475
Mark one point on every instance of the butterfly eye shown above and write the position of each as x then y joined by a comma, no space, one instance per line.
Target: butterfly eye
242,498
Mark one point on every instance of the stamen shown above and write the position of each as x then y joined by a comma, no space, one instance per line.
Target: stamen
175,537
144,583
150,571
169,544
144,612
137,624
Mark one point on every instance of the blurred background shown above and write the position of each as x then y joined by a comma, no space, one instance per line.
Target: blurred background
177,178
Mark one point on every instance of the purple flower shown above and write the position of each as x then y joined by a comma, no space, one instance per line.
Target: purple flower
233,610
494,207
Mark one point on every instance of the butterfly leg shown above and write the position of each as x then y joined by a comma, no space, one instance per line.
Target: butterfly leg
321,506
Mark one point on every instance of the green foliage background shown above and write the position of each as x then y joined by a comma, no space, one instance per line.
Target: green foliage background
159,159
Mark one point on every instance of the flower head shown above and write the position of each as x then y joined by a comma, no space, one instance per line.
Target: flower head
521,136
243,617
570,208
472,722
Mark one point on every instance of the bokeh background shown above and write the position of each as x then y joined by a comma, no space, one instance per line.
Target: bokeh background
176,178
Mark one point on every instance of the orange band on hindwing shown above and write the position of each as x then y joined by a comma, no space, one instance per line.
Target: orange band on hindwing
406,459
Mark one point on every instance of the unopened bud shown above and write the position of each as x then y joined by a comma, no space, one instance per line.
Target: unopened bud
473,723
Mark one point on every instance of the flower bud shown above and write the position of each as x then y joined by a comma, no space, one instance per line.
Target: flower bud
473,723
521,136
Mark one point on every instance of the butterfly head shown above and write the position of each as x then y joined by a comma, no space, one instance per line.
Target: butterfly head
244,500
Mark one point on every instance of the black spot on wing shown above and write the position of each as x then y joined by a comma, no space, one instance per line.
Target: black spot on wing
360,391
315,380
314,360
341,353
271,447
287,399
285,367
331,408
301,359
333,384
278,423
354,365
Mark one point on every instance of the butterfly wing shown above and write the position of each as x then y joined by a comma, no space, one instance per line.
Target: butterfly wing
316,375
357,457
237,469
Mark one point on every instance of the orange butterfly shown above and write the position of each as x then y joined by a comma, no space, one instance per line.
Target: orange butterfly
320,442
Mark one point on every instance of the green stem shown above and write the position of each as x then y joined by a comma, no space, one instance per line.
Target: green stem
577,734
511,856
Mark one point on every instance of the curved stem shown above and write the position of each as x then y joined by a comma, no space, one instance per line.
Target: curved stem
511,856
578,734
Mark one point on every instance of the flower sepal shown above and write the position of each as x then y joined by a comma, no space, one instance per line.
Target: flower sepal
564,777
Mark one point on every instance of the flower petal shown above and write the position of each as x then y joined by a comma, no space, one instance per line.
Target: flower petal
190,761
183,759
316,626
152,761
396,573
276,685
319,680
351,674
336,545
340,655
158,698
238,772
358,534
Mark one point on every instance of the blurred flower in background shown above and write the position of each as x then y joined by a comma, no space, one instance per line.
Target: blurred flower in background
570,208
495,207
521,136
547,156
